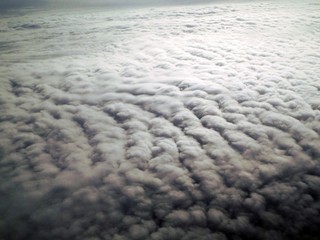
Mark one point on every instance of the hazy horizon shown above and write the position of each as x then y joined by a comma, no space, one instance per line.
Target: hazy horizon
48,4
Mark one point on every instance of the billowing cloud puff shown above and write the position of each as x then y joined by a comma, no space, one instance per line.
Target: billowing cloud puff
177,123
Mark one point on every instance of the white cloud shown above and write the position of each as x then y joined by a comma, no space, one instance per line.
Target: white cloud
176,123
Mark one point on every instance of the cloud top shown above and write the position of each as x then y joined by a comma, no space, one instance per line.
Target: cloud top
177,123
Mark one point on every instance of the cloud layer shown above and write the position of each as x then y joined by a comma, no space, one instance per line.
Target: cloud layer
179,123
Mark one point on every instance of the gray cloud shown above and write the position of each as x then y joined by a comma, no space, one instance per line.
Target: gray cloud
181,126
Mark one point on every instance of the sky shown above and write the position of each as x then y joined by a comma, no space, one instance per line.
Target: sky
186,123
7,4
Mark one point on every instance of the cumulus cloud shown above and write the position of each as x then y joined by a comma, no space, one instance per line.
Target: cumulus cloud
177,123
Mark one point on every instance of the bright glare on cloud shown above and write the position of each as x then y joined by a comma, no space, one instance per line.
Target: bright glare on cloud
197,122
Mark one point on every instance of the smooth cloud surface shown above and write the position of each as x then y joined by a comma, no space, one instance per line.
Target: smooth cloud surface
180,123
